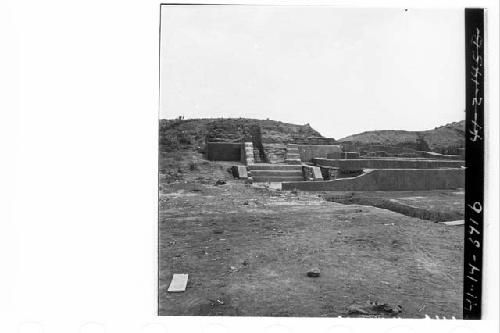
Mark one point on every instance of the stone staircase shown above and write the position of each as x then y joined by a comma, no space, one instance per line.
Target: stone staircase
247,153
292,155
263,172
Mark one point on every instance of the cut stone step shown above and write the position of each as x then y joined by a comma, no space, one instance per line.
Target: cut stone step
277,173
292,156
293,161
266,166
277,179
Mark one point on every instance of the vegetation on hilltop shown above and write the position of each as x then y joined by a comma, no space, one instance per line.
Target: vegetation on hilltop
190,133
443,139
184,133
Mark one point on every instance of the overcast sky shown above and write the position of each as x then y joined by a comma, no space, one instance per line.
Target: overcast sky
343,71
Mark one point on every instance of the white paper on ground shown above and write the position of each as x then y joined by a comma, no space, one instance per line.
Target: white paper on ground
178,283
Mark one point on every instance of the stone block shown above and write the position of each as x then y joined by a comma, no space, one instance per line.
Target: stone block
312,172
317,173
240,171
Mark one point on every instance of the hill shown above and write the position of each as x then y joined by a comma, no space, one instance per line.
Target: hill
444,139
184,133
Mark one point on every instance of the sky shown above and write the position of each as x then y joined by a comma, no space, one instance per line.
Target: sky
343,71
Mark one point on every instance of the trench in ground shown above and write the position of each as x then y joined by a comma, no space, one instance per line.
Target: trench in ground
395,206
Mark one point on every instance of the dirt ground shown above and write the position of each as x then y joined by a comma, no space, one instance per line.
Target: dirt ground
247,249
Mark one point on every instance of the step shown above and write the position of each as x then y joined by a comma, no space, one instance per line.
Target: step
292,156
292,145
276,173
267,166
293,150
278,179
293,161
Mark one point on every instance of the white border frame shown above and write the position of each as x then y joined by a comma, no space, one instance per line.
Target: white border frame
78,133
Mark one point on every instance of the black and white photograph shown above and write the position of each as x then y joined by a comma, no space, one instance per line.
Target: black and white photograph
312,161
275,166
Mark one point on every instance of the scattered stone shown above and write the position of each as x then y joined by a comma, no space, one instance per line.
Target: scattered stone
218,231
217,301
313,272
246,203
220,182
245,263
374,308
356,309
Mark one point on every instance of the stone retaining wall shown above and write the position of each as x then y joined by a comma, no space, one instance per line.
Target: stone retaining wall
221,151
309,152
388,163
343,155
388,180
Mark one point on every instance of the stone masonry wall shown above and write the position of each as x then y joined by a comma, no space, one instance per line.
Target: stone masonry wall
388,180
